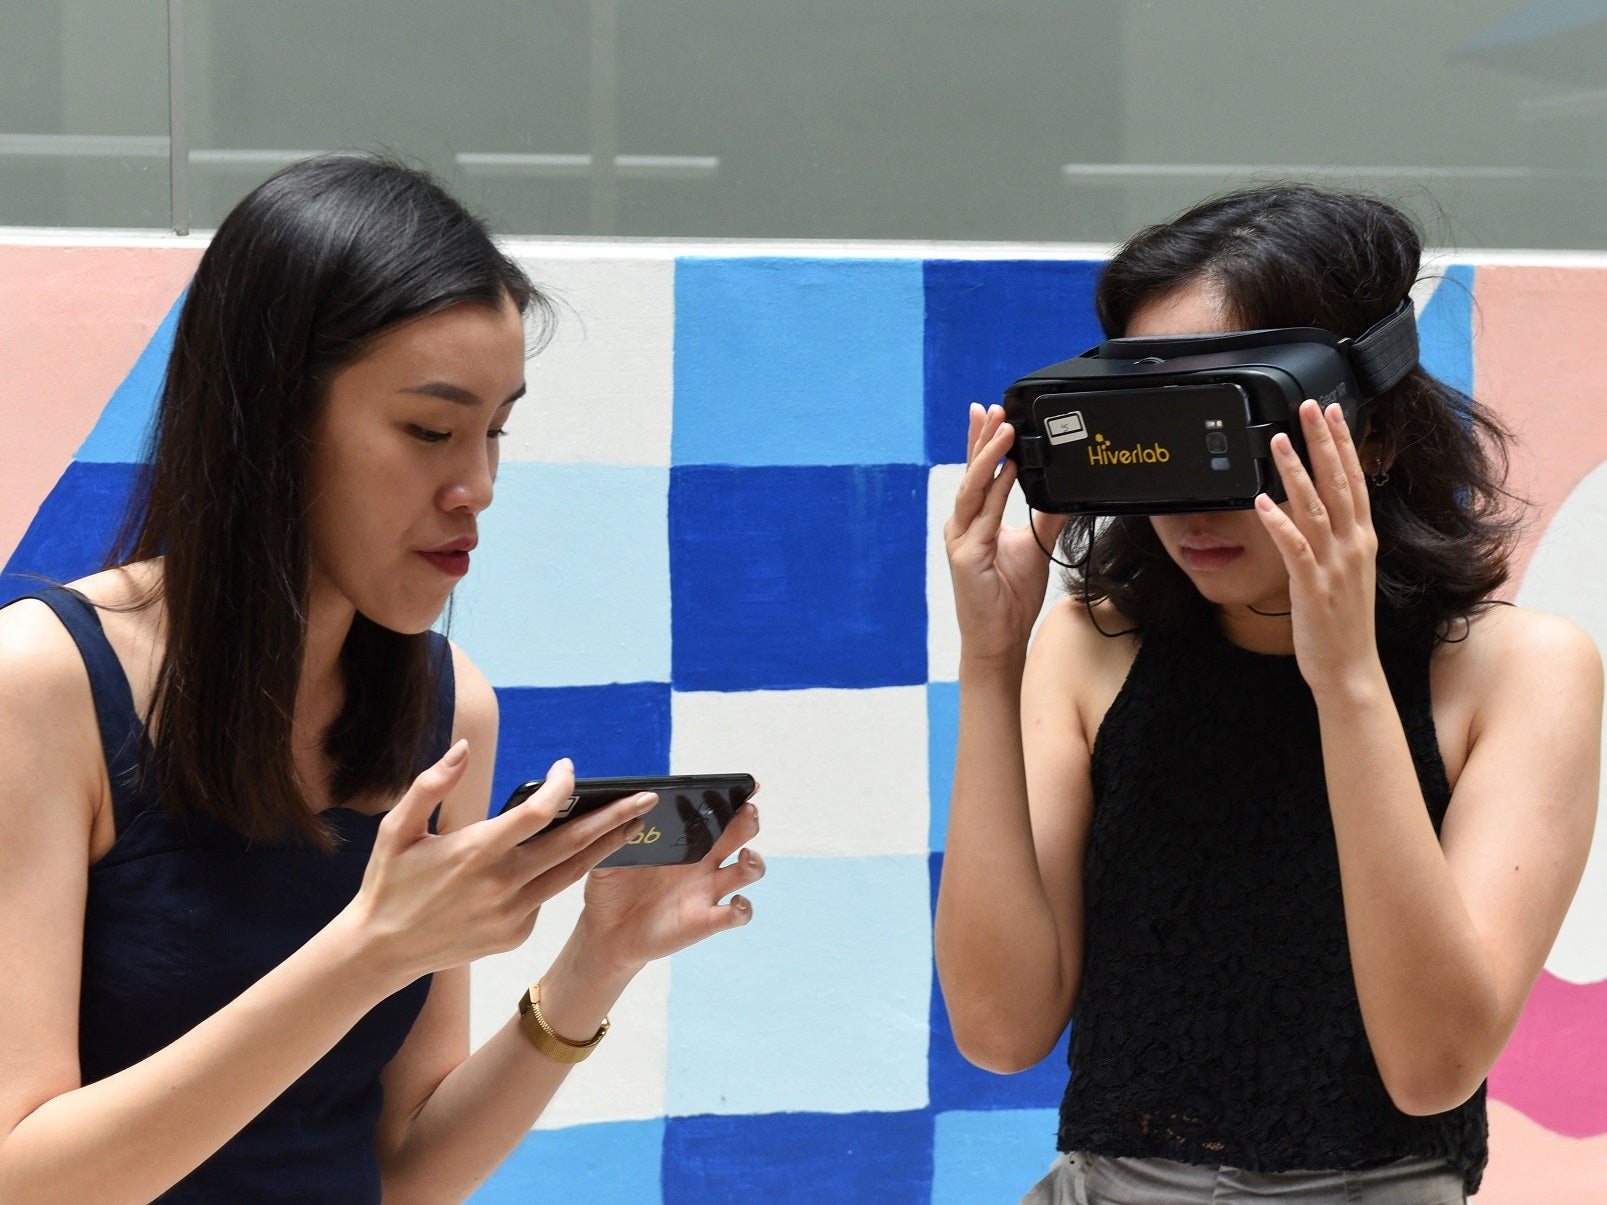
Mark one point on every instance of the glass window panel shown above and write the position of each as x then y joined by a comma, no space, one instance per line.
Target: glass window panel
1015,120
83,113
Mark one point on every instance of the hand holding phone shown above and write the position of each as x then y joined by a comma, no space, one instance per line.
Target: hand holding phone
691,813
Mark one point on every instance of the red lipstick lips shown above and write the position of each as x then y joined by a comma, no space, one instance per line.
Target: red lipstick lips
451,558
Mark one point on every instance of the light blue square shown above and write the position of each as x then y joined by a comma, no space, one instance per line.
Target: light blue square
757,1015
991,1155
1445,329
571,583
942,734
799,361
614,1163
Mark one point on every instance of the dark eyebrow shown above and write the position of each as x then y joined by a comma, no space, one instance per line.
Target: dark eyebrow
461,397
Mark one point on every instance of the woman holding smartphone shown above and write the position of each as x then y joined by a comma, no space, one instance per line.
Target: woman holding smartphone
246,864
1279,811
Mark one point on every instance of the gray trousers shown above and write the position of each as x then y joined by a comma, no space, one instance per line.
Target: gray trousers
1081,1179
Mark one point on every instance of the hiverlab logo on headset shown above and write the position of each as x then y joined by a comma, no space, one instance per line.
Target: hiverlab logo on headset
1100,452
1069,427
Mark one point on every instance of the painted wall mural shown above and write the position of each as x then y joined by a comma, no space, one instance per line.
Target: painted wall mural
715,546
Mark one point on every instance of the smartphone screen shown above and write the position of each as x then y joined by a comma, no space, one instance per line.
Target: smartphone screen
691,813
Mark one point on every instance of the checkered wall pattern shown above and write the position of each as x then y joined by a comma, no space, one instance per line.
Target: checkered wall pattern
716,546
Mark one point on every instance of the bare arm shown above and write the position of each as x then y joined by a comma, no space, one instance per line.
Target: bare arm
450,1116
1446,936
1008,929
425,903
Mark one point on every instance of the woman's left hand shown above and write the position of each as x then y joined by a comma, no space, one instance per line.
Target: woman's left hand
635,914
1325,536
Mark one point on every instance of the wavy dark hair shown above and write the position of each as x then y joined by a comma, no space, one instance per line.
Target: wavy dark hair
299,279
1297,255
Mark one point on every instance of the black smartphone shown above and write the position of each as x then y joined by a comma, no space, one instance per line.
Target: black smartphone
691,813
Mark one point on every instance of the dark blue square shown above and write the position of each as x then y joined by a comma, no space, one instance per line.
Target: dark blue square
991,321
74,529
809,1158
956,1083
788,577
622,728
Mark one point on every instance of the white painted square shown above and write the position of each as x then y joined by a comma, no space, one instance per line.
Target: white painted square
603,389
626,1076
843,772
942,629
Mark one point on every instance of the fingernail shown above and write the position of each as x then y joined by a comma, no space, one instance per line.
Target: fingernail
561,766
645,802
456,753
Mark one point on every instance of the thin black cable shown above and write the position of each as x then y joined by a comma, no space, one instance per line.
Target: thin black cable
1268,614
1081,570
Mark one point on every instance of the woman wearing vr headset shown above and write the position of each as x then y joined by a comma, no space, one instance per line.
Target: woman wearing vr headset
246,862
1279,810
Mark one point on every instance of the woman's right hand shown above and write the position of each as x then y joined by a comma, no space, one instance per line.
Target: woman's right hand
432,901
1000,573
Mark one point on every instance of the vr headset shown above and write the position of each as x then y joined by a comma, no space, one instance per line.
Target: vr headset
1171,425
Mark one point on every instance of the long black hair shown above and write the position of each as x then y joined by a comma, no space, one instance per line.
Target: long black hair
1297,255
300,278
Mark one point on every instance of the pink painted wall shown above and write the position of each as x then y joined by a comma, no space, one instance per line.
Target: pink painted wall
72,321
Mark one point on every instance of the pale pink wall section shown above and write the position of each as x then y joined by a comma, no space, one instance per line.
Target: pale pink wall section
1538,364
72,322
1530,1165
1538,336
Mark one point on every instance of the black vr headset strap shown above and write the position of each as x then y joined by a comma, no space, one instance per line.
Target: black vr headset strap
1386,351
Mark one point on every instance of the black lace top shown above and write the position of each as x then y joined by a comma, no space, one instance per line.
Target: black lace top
1218,1020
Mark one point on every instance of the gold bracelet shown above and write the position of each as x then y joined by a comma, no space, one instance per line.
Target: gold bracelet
545,1039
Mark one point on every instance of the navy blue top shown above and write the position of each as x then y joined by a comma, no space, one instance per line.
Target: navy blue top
183,915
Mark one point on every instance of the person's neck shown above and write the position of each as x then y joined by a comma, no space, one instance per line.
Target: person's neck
322,690
1265,628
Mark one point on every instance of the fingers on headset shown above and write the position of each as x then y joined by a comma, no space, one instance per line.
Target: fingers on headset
1350,463
1328,468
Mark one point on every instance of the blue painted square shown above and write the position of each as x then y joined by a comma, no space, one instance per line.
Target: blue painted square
73,531
802,1158
571,582
747,1007
788,578
990,1156
1445,329
614,1163
608,730
118,435
798,361
942,733
991,321
956,1083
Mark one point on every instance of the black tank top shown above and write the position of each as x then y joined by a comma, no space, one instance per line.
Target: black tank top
1218,1021
183,915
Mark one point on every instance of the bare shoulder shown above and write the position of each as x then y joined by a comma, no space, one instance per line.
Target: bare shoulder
1093,642
1513,650
1078,662
49,736
474,719
475,708
41,672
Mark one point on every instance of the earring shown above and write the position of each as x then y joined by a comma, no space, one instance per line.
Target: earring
1379,476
